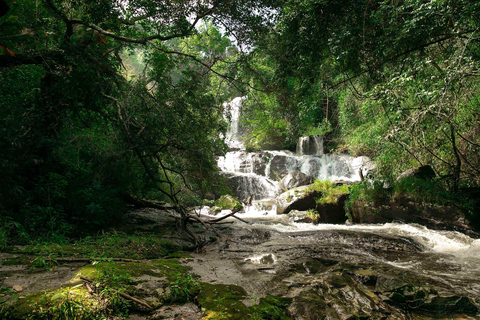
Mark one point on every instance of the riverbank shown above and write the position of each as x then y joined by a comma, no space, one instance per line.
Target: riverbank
253,271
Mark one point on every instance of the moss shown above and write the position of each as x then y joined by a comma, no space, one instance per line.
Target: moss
271,307
227,202
330,191
65,303
74,302
222,301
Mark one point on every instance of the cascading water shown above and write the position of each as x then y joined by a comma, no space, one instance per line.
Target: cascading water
256,174
232,113
446,263
311,145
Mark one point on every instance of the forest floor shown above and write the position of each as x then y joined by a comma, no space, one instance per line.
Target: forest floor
145,269
141,270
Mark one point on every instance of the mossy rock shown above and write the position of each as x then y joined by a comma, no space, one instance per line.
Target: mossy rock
219,301
227,202
222,301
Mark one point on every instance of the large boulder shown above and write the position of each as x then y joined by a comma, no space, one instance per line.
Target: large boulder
300,198
423,172
407,210
333,211
227,202
294,179
255,186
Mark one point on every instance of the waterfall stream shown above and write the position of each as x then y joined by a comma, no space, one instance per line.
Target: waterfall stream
447,257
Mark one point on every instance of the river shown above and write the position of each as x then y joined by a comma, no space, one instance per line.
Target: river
337,271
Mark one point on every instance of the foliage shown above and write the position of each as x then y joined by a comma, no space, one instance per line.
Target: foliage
423,191
313,215
397,81
102,100
185,288
226,202
330,191
108,245
373,194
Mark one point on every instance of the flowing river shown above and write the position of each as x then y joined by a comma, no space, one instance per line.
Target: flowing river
337,271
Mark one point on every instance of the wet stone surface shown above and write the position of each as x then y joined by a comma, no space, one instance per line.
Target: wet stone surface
336,274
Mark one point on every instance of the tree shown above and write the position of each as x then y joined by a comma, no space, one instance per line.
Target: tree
79,135
393,77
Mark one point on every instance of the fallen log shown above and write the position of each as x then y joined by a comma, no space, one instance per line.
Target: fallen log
142,203
209,220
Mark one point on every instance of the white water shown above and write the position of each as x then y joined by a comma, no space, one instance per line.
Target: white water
259,168
310,145
232,113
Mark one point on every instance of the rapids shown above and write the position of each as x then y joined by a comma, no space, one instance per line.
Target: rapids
436,265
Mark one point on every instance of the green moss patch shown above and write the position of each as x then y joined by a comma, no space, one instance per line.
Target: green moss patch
74,302
272,308
228,202
224,302
330,191
66,303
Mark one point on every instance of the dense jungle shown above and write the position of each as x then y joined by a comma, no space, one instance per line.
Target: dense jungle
262,159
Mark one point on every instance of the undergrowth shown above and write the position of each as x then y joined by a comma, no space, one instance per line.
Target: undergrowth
108,245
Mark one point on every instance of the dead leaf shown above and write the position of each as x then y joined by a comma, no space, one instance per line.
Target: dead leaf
17,288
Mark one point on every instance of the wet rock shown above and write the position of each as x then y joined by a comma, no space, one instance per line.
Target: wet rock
299,217
418,294
334,211
188,311
279,165
294,179
405,209
423,172
301,198
244,186
259,163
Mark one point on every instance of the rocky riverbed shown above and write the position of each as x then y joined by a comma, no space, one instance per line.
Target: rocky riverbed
293,271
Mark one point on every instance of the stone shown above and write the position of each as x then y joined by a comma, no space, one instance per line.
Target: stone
228,202
333,212
294,179
300,198
188,311
299,217
278,166
405,209
244,186
424,172
17,288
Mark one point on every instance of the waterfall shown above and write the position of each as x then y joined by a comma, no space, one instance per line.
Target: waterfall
232,114
310,145
257,174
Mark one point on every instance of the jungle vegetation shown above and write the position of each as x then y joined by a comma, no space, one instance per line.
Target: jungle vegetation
111,102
